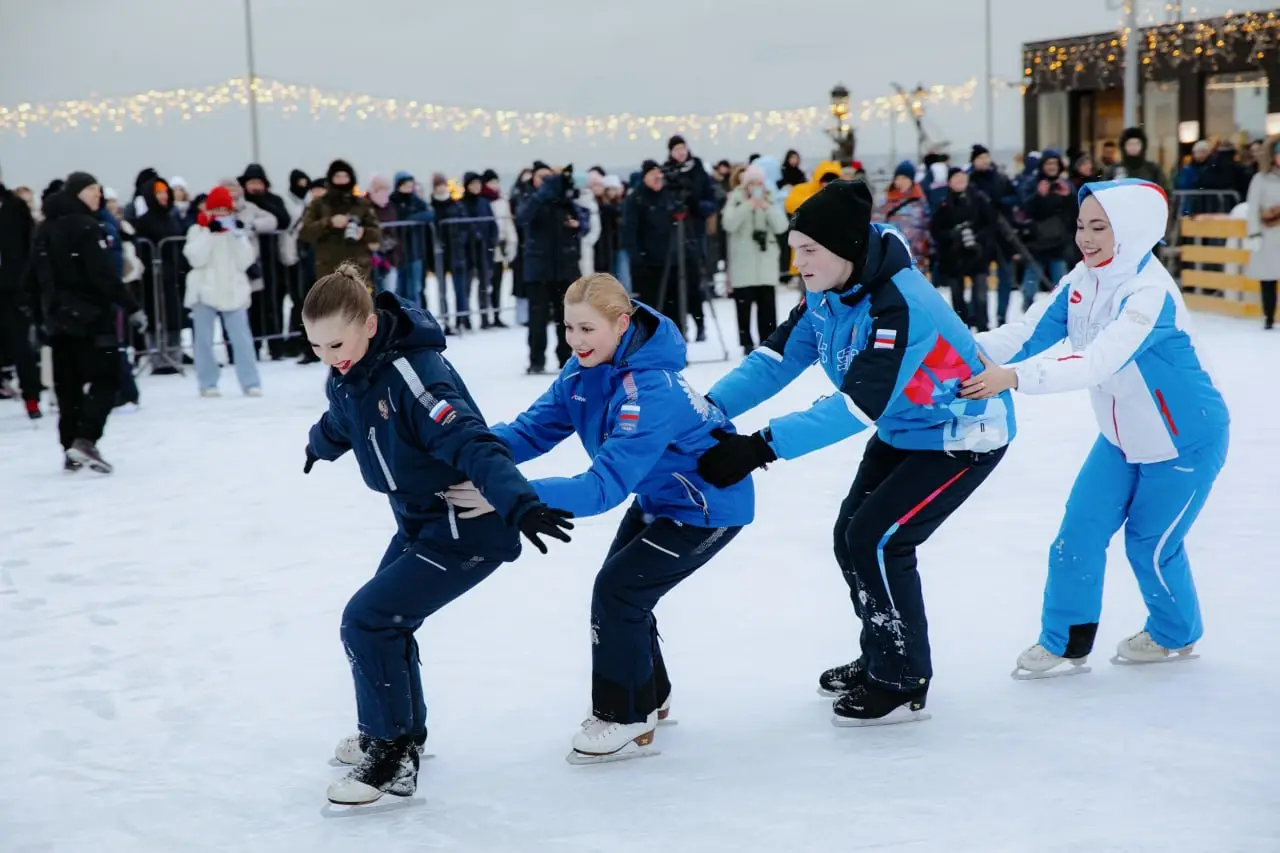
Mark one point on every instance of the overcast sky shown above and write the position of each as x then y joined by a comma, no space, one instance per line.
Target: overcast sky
572,56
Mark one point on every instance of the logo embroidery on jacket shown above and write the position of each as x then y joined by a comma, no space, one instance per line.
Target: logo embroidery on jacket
629,417
578,398
384,410
885,338
1076,297
699,402
443,413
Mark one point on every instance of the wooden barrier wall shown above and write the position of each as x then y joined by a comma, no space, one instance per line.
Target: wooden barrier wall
1239,294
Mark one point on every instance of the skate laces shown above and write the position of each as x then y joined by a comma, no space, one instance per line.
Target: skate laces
596,728
1038,652
1142,641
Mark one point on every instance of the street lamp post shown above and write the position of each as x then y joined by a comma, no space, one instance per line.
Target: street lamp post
253,81
842,133
917,112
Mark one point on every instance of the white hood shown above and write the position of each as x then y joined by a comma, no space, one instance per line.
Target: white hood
1139,214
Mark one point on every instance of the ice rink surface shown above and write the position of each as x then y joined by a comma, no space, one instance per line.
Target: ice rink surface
171,677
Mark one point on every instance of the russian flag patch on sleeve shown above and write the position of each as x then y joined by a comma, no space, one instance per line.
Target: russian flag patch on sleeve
885,339
442,412
629,416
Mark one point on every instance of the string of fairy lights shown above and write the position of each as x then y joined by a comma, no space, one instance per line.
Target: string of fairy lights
156,106
1235,38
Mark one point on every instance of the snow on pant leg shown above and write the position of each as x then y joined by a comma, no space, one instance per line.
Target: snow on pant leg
631,582
68,387
207,370
1165,504
1096,509
894,519
879,460
236,324
378,626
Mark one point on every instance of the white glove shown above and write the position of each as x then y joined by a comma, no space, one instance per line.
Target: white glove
467,497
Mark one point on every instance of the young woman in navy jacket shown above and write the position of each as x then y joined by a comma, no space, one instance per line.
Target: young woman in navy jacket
644,427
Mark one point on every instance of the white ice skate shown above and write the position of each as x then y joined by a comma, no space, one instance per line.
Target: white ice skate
664,714
1039,662
1140,649
601,741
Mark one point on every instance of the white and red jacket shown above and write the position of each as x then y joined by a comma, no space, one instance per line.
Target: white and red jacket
1131,337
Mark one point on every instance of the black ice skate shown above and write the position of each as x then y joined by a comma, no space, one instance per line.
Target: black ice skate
86,453
351,749
870,705
843,678
69,465
389,767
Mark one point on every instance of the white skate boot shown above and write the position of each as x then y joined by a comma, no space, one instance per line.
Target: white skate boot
1140,648
1039,662
664,713
601,741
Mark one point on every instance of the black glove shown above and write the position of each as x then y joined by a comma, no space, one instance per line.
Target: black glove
541,518
215,227
312,459
734,457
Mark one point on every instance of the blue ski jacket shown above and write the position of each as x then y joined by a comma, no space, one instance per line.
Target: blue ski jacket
896,352
407,416
644,428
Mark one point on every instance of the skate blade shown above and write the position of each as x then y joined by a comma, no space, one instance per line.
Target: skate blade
333,762
378,806
88,462
897,715
1173,658
828,694
629,751
668,721
1020,674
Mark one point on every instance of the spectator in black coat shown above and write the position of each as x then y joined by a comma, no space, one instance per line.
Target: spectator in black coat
1050,205
691,184
17,227
647,233
159,236
76,291
963,228
551,227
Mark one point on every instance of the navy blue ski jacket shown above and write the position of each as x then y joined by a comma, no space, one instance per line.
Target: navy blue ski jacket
644,428
407,416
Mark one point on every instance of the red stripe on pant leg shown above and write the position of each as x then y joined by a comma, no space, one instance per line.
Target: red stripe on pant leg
924,503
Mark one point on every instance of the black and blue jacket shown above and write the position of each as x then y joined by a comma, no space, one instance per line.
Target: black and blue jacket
415,430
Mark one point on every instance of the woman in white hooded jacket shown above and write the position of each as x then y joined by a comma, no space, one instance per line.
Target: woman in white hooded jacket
220,251
1163,428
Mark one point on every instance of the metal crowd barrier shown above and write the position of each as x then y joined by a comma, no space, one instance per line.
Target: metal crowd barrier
458,252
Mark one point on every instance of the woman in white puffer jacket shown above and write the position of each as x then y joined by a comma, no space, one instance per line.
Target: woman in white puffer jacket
220,251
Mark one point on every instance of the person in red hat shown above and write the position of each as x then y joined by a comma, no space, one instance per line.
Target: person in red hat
221,250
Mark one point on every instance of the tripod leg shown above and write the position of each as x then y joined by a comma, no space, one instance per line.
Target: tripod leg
682,280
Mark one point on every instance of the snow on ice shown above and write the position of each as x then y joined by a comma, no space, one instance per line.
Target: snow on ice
171,677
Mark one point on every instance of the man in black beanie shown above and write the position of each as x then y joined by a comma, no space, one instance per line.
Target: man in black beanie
78,293
896,353
690,184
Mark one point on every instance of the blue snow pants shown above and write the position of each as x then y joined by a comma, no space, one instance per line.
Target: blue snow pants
1156,503
413,581
649,556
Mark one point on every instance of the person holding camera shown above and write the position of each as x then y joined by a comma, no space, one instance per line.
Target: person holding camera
341,225
964,231
695,198
752,222
552,225
647,232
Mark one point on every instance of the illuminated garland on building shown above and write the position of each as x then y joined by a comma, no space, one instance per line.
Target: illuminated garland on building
155,107
1233,38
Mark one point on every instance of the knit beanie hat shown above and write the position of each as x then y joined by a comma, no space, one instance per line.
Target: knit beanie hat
978,151
648,166
838,218
219,198
77,182
340,166
907,169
